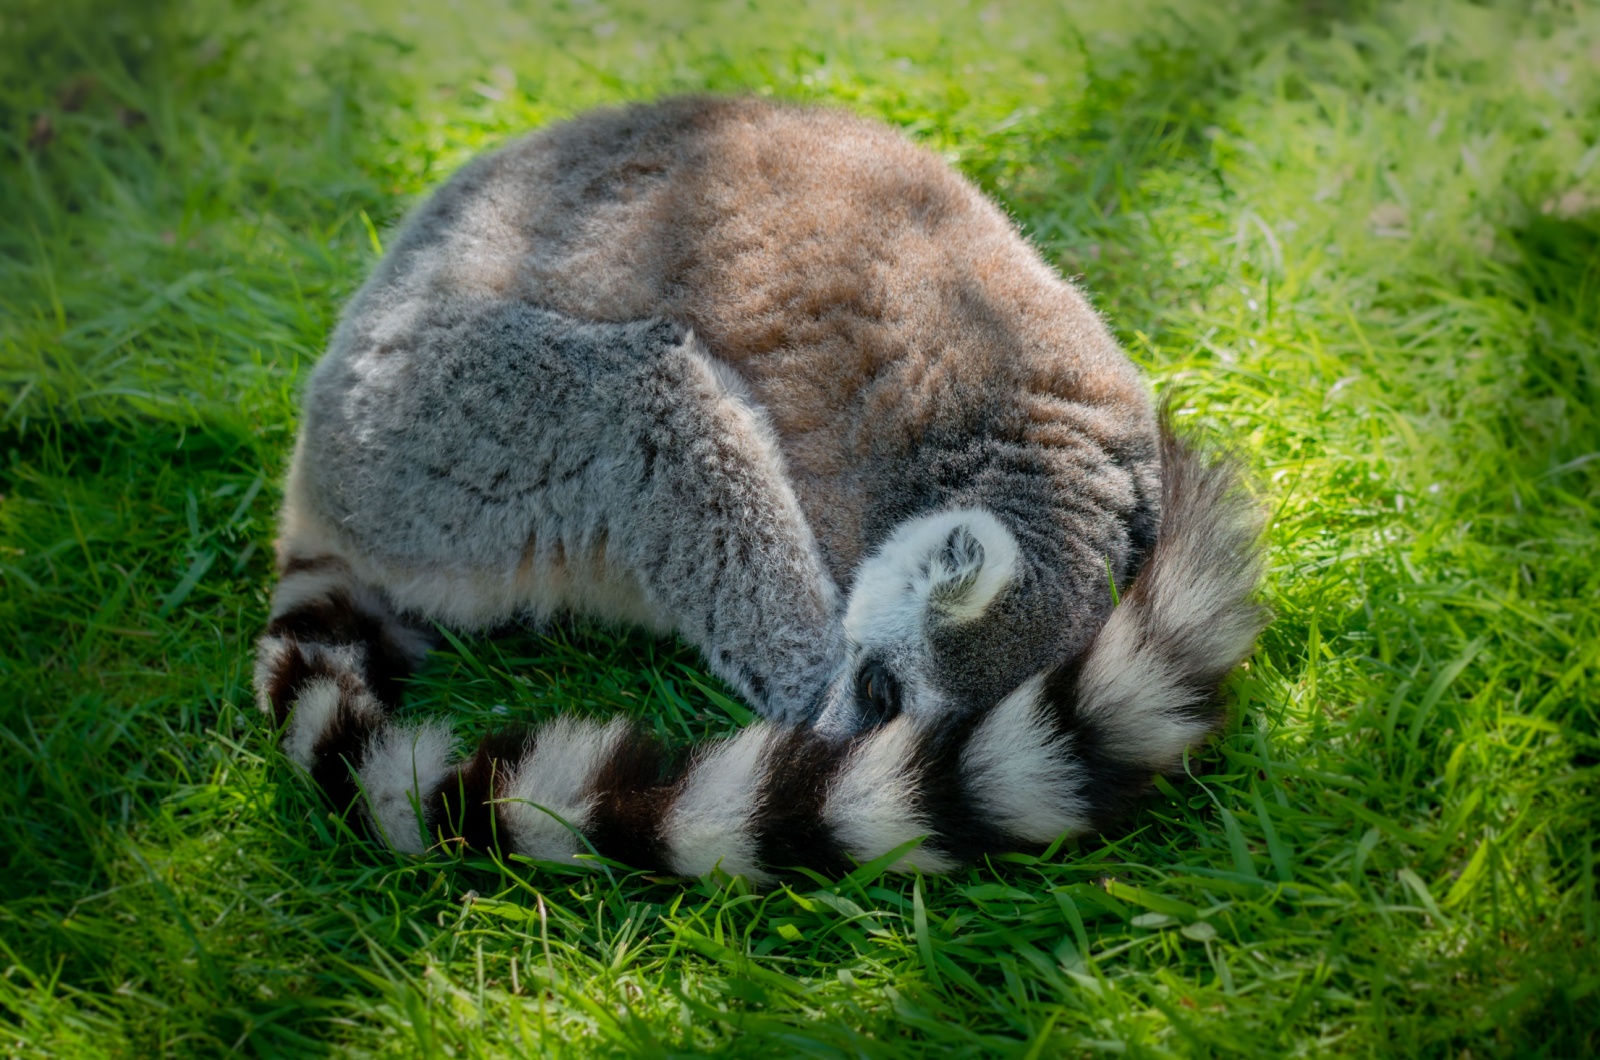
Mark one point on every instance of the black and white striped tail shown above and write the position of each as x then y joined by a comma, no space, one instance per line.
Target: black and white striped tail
1069,751
329,667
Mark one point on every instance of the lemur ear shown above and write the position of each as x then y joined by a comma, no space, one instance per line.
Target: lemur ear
944,567
953,569
974,560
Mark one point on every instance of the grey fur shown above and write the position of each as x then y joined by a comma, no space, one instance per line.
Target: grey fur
911,352
501,442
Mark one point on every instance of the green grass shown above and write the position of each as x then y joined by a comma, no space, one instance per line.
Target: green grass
1362,240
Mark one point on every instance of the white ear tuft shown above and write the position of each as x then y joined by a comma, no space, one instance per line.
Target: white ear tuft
947,567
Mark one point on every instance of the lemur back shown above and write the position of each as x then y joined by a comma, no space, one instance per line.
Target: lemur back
692,365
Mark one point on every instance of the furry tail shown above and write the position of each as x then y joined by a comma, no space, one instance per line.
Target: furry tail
329,667
1067,752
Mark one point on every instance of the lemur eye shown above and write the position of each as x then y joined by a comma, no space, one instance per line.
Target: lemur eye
877,693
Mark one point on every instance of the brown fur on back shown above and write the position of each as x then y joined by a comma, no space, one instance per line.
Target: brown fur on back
867,294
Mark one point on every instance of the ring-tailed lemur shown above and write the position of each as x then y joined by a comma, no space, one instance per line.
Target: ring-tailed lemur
691,365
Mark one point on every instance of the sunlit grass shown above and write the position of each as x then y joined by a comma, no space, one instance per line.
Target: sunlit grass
1360,242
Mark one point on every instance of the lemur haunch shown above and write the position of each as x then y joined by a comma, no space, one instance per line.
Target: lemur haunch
775,380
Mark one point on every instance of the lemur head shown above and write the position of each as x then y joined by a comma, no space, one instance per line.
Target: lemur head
936,623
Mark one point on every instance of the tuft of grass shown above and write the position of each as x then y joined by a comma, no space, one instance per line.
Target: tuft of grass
1361,241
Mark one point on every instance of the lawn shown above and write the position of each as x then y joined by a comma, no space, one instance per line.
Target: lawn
1360,242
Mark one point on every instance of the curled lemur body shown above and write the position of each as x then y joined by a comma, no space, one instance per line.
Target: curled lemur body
775,380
